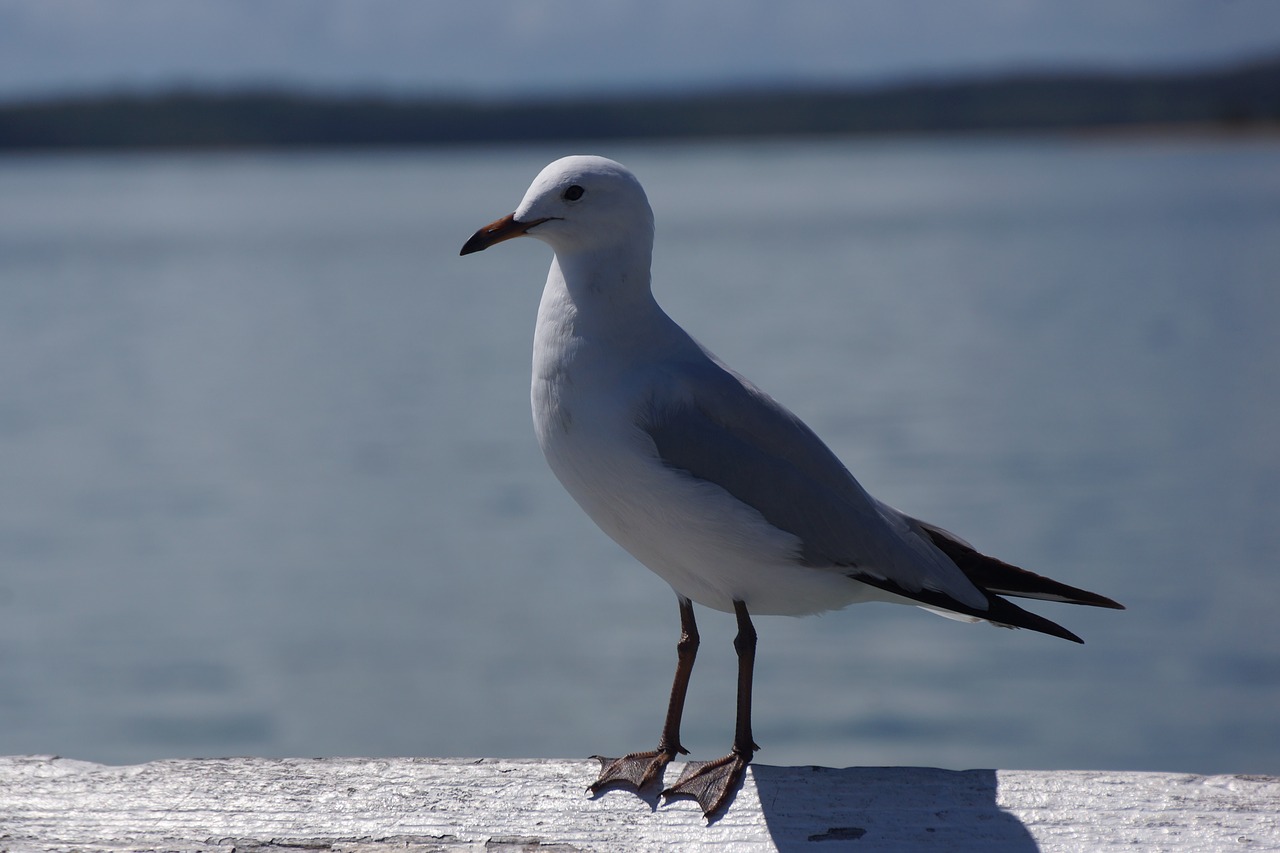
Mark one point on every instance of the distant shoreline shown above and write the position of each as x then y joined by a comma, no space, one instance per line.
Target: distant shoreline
1240,100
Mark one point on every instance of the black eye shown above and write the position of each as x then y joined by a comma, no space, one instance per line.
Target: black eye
573,193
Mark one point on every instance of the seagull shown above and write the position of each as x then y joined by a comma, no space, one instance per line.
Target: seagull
703,477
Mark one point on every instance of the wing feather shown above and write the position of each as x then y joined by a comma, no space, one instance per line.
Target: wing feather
720,428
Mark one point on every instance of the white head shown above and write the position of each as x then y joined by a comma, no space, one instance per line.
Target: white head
577,204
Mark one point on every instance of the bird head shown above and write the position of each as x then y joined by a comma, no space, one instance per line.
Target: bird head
579,203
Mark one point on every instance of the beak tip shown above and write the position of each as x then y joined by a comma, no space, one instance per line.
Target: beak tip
477,242
495,232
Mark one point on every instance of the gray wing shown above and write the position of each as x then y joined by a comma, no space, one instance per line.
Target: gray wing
717,426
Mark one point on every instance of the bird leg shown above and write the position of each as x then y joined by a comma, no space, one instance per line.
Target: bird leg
641,769
712,783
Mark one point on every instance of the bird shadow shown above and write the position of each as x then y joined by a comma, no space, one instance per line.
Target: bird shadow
869,808
873,808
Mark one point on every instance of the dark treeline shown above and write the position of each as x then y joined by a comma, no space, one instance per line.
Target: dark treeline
1241,96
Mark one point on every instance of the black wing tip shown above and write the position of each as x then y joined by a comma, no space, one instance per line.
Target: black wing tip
999,611
1003,612
1058,631
997,577
1078,596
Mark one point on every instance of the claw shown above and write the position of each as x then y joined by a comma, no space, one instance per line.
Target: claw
711,783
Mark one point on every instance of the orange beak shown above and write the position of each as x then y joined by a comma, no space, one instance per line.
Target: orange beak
506,228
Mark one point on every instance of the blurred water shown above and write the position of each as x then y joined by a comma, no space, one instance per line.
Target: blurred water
268,485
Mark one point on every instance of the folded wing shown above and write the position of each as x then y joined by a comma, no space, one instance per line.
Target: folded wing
715,425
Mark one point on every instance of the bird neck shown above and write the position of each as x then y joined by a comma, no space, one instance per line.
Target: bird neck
608,288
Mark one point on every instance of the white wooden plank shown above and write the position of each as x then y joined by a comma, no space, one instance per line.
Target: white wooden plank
367,805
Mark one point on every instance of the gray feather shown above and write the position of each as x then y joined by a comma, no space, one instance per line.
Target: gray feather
720,428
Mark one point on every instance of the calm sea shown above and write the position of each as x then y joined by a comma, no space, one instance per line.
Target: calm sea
268,484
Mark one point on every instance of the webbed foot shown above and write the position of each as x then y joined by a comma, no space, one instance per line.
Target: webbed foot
638,770
711,783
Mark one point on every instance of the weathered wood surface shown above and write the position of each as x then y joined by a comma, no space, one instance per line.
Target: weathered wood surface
367,805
